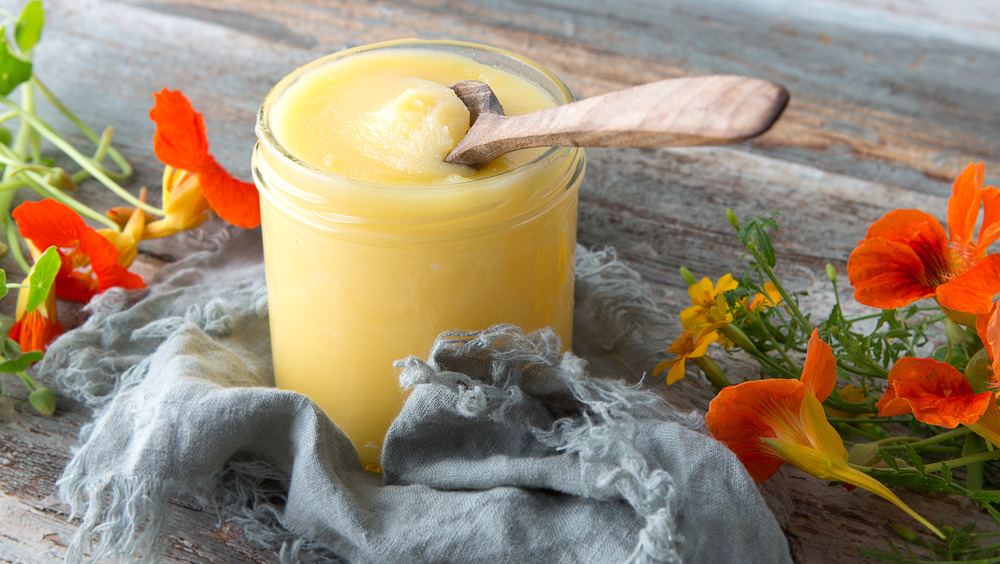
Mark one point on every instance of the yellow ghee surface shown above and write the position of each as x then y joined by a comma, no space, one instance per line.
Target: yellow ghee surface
374,246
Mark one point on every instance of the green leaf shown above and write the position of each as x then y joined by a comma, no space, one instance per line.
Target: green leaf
29,26
43,274
888,459
20,363
3,283
13,69
946,472
753,235
915,459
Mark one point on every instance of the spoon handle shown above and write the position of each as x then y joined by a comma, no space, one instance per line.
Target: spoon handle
702,110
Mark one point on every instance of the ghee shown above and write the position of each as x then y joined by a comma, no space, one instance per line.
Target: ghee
373,245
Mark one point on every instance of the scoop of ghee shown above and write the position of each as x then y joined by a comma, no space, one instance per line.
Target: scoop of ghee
390,118
415,131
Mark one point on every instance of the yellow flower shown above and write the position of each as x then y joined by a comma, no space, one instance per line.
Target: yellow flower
183,201
127,240
770,298
688,345
708,305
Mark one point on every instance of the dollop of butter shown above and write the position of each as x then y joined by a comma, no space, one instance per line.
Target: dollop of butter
416,130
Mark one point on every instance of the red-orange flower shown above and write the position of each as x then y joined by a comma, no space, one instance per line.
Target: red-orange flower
935,393
34,330
938,394
742,415
907,255
770,422
180,142
89,261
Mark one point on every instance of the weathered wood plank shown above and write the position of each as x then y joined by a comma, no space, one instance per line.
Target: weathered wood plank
889,101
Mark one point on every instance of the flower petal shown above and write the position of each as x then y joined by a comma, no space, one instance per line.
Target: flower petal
963,206
180,140
49,223
973,291
741,415
235,201
936,393
819,373
989,231
887,274
988,426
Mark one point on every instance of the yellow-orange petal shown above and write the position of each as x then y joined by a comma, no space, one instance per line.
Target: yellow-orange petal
819,373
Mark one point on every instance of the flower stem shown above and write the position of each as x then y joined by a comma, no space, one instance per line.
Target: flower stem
103,143
15,248
939,438
963,461
46,131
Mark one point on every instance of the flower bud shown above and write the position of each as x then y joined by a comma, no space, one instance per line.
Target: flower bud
689,278
905,533
979,370
43,400
831,273
58,178
733,220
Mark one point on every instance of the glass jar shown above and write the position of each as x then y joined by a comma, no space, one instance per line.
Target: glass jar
360,274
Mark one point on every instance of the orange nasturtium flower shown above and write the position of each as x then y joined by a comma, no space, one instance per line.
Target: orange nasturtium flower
34,330
90,262
770,422
936,393
907,255
193,182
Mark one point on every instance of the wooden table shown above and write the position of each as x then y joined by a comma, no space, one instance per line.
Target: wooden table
890,100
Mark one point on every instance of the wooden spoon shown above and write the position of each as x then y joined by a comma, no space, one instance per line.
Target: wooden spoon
702,110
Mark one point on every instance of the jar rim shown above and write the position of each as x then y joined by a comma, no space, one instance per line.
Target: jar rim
266,137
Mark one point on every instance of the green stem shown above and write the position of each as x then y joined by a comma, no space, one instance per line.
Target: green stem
46,131
851,429
14,244
963,461
29,382
740,339
939,438
785,296
117,157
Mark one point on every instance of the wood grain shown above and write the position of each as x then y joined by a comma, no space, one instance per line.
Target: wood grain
889,101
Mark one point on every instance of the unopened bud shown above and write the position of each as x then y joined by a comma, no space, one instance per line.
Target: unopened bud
905,533
57,178
831,273
733,220
43,400
689,278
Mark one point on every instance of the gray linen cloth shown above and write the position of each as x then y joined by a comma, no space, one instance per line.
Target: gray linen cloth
505,451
